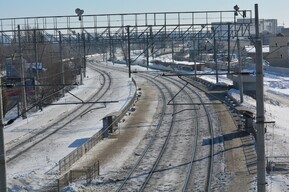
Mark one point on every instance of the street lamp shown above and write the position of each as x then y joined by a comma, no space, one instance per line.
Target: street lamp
79,13
237,12
215,53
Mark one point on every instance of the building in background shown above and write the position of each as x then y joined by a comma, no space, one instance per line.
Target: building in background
285,32
265,25
278,51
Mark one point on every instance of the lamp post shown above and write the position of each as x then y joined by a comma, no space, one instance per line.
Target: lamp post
215,54
79,13
128,51
243,14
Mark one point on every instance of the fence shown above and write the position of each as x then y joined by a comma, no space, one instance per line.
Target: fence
87,174
277,164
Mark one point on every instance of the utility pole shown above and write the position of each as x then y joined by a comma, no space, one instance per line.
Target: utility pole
35,53
147,49
110,44
173,51
215,55
61,63
240,71
36,64
23,92
261,177
79,13
84,54
229,48
151,42
195,57
128,52
81,65
3,184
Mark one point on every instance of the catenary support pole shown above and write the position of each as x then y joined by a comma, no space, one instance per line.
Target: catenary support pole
61,63
35,53
173,50
261,177
36,64
84,54
229,48
215,55
81,63
3,184
240,71
23,92
128,52
147,50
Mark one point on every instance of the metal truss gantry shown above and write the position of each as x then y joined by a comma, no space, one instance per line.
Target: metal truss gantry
110,29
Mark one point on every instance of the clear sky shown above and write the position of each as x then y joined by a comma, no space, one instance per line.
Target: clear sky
268,9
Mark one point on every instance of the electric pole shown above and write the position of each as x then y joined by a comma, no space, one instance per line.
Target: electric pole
229,48
147,49
261,177
84,54
23,92
61,62
128,52
240,71
3,184
215,54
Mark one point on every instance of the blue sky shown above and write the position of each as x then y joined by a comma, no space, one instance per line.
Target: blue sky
268,9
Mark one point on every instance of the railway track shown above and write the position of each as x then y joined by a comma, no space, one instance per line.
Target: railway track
20,145
202,117
195,143
162,130
208,183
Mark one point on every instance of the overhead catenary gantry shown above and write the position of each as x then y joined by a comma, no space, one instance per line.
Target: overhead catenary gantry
153,33
110,29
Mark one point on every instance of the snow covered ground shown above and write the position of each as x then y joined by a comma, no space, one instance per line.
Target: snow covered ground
27,175
276,98
32,170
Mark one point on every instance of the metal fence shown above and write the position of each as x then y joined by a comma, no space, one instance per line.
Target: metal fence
277,164
87,174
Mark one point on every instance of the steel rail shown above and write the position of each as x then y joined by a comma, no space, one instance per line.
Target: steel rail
24,145
193,153
164,146
160,121
211,130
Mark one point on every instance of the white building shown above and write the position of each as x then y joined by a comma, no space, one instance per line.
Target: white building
265,25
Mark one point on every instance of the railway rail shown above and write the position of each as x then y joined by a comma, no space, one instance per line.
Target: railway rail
20,145
195,144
